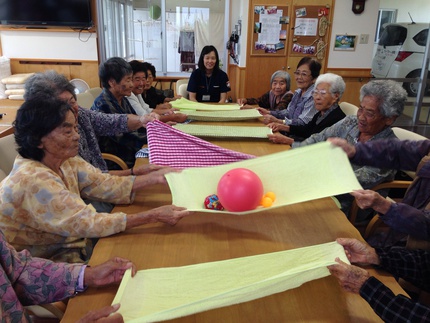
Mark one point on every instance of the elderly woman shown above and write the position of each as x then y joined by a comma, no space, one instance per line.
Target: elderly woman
41,206
20,278
327,93
381,103
155,98
91,124
411,216
277,98
116,76
301,109
140,76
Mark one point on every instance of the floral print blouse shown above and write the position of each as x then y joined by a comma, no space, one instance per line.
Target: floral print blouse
28,281
39,210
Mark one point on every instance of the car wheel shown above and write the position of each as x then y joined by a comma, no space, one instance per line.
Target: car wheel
412,87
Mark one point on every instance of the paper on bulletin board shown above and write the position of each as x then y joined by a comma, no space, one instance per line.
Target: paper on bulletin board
306,27
160,294
270,28
296,175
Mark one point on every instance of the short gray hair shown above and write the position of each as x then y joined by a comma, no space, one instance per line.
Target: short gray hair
283,75
337,85
391,96
50,82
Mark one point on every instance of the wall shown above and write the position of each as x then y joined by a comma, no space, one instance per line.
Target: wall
346,22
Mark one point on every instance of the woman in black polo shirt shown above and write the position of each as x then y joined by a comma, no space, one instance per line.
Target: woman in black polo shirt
208,83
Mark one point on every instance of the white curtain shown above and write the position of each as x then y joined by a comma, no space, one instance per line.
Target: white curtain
209,32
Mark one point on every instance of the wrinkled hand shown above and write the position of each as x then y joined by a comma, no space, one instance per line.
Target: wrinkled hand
268,118
148,118
170,214
359,252
263,111
146,169
108,272
180,117
242,101
278,127
370,199
342,143
350,277
157,177
102,315
278,138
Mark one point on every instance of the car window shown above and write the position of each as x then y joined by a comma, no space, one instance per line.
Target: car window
421,37
393,36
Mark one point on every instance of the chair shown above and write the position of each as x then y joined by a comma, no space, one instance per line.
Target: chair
8,153
115,159
348,108
402,134
85,100
179,83
183,91
94,91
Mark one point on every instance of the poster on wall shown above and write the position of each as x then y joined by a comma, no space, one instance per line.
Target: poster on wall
345,42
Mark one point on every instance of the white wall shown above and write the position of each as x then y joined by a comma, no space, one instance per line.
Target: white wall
346,22
239,10
49,45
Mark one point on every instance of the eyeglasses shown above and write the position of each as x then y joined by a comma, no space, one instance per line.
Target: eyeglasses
302,74
149,77
366,113
319,92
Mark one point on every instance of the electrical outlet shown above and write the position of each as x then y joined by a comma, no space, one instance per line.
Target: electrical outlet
364,38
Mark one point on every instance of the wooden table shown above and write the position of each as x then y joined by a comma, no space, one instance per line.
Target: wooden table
203,237
9,114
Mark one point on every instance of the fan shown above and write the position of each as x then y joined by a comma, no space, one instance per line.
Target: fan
80,85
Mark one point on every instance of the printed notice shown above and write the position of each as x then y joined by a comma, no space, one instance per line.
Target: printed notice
306,27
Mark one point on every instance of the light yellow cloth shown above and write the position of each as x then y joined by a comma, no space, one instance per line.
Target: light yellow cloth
234,115
224,131
184,104
296,175
167,293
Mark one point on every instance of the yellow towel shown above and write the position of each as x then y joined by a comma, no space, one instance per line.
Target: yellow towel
165,293
296,175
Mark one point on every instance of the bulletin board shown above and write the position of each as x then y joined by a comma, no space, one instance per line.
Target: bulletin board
309,31
271,24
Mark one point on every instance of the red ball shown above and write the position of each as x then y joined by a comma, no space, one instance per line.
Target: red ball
239,190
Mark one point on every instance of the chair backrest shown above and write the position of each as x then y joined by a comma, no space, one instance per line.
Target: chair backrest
348,108
95,91
8,153
404,134
182,91
85,99
179,83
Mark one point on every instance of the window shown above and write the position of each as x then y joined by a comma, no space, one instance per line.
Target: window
170,34
384,16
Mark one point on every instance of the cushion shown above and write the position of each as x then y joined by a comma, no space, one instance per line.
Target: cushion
16,97
4,72
16,78
15,92
14,86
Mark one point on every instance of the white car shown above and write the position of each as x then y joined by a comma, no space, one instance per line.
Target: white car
400,53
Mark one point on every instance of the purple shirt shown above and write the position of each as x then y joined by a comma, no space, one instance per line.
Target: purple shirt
29,281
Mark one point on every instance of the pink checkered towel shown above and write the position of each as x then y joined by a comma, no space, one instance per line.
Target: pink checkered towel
171,147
